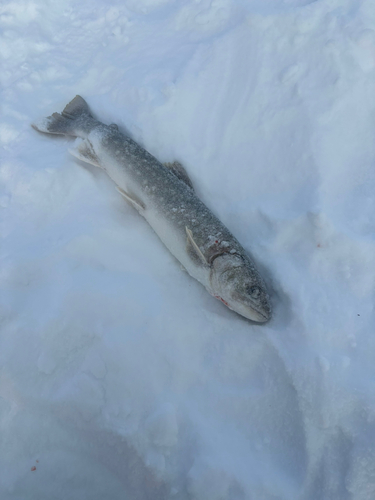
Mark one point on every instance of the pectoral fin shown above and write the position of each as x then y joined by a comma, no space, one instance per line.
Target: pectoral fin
135,203
178,170
195,247
83,150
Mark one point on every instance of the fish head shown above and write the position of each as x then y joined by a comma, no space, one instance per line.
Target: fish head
237,283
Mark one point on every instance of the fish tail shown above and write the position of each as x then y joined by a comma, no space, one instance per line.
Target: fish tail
76,120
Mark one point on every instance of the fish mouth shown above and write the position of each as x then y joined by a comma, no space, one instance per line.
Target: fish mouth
249,312
258,316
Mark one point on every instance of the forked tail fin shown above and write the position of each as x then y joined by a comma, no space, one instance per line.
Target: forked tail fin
75,120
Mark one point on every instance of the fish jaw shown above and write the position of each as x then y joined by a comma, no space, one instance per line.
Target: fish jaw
259,316
246,310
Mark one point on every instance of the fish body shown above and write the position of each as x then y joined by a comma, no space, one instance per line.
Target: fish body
164,196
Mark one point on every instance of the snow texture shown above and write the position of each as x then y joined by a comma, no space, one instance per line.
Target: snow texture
120,376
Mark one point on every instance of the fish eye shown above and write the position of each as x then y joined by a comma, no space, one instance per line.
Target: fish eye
253,291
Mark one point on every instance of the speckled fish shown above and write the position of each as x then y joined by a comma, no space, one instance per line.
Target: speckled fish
164,195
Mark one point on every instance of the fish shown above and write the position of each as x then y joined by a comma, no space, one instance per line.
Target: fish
164,195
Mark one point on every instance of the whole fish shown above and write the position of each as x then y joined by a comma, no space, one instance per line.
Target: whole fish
164,195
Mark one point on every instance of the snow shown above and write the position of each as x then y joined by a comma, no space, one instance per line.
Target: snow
120,376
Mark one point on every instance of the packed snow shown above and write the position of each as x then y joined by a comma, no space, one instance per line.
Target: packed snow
120,376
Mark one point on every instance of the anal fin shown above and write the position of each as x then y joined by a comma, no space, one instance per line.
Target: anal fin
83,150
138,205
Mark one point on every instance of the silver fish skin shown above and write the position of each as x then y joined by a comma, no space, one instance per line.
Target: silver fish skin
164,196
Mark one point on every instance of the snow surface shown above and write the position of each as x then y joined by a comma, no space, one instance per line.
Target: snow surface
120,377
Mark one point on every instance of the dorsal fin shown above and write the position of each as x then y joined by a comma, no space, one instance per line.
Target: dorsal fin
180,173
